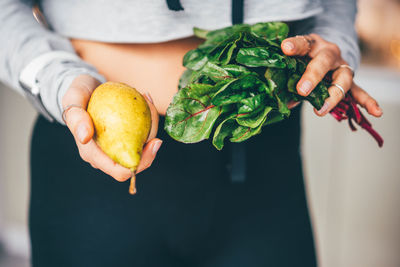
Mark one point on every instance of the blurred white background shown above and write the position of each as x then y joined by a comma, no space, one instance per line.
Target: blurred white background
353,186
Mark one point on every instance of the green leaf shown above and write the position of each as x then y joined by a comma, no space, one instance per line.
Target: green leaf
236,70
223,131
276,78
195,59
201,89
217,36
214,72
214,53
242,133
259,57
248,105
237,133
238,89
200,33
291,63
189,119
240,80
255,120
251,40
282,99
226,55
228,94
222,54
274,117
318,95
292,83
185,79
271,30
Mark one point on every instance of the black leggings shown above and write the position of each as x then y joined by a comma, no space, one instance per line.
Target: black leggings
187,211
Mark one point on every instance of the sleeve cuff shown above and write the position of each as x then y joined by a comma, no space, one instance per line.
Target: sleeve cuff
55,79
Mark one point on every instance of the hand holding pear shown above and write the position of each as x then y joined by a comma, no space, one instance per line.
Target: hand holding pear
122,121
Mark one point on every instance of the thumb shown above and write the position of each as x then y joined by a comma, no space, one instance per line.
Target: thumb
75,102
80,124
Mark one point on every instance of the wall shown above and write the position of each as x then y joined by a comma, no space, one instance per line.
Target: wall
16,120
354,186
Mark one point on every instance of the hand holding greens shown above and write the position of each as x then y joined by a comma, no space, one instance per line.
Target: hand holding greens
238,81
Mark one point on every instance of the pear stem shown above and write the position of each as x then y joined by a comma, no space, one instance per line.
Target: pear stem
132,186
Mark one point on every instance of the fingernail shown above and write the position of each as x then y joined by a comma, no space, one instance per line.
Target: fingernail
157,146
81,132
289,46
324,108
305,87
379,110
148,97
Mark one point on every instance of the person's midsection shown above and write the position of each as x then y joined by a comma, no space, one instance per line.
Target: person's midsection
153,68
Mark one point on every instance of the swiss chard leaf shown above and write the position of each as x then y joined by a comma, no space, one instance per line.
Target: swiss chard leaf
238,89
318,95
252,40
200,33
237,70
276,79
259,57
226,55
271,31
229,128
218,36
274,117
250,104
223,131
190,119
201,89
185,79
237,81
282,100
292,82
242,133
291,63
195,59
214,72
255,120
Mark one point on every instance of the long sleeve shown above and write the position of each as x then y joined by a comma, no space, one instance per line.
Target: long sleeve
22,39
336,24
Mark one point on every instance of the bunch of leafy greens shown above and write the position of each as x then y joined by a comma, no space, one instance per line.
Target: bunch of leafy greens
236,82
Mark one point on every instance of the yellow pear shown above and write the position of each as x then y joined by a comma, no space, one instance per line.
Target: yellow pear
122,122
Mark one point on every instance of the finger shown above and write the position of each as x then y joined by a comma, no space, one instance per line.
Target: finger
92,154
342,78
299,45
316,70
366,101
77,119
80,124
154,117
149,153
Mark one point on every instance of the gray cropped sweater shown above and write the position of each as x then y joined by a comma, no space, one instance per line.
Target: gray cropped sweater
132,21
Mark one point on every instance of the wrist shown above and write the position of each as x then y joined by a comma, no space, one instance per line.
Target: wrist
28,79
56,78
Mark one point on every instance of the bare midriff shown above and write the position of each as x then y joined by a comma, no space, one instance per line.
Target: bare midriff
153,68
